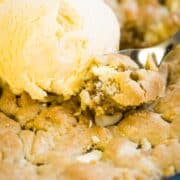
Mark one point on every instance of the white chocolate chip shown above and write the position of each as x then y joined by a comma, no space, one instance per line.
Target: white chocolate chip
90,124
95,139
94,155
146,145
105,120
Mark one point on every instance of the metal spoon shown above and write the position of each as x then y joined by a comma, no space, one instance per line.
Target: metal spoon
159,51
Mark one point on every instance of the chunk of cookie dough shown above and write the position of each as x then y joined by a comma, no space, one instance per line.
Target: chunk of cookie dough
115,83
169,106
143,124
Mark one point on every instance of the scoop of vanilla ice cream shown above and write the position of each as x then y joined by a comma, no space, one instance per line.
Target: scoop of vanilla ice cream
45,44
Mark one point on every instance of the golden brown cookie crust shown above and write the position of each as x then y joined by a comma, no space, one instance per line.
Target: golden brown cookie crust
53,140
39,141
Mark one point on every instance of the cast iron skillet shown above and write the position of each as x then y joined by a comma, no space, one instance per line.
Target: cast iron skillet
175,177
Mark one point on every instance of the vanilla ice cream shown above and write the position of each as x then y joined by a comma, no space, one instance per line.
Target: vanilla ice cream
45,44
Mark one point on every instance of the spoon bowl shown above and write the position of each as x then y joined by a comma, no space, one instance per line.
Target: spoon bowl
159,52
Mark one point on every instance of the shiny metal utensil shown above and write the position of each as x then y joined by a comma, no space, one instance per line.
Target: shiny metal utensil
159,51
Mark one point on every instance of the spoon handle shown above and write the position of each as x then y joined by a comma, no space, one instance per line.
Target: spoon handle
171,43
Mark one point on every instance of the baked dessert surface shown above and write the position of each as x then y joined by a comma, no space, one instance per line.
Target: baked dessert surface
145,23
53,140
50,141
